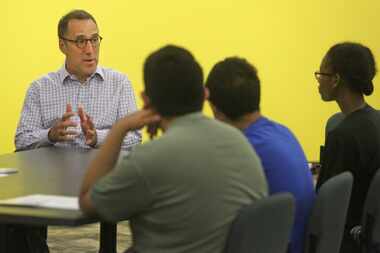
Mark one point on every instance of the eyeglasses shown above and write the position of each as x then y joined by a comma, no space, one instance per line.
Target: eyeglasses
318,75
82,42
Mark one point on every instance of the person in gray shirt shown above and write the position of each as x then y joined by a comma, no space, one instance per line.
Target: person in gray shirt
181,191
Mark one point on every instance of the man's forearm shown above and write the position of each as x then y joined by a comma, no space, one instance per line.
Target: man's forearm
109,152
32,139
106,158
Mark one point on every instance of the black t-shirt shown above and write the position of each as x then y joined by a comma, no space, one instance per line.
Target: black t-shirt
354,145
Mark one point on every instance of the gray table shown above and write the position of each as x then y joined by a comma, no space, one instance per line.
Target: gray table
52,171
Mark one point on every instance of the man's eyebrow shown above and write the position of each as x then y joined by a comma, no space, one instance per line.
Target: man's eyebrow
82,36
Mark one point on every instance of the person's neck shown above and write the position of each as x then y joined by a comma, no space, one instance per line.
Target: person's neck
350,102
166,122
246,120
82,79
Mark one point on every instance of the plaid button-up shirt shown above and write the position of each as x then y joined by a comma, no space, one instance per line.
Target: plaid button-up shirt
106,96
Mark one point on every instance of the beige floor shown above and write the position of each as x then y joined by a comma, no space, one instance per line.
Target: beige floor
84,239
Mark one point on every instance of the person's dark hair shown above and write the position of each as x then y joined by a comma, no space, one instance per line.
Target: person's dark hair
173,81
355,64
234,87
74,14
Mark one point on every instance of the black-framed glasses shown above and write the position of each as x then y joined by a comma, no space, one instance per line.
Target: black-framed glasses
82,42
318,75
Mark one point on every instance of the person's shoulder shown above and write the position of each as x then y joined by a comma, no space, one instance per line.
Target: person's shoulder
46,79
359,120
333,121
112,74
362,124
347,130
216,129
336,117
272,122
172,140
283,138
224,133
153,153
150,147
277,127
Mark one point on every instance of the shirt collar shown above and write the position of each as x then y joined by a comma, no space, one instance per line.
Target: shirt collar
64,74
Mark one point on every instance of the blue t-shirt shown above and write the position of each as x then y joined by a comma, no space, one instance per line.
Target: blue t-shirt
286,170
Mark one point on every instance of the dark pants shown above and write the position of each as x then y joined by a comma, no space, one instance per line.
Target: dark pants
21,238
349,246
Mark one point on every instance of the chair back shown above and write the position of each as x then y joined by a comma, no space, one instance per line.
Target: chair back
263,227
328,216
370,237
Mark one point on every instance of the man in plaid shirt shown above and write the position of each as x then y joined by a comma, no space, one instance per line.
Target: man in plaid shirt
77,105
74,107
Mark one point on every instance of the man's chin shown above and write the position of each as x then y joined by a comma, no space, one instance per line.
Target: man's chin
326,99
89,71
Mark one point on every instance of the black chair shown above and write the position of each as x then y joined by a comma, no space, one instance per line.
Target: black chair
368,233
328,217
263,227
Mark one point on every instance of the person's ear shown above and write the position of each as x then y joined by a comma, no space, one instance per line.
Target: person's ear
217,114
145,99
337,80
62,46
206,93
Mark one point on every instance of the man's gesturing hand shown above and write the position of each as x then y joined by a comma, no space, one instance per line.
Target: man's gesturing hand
88,127
60,132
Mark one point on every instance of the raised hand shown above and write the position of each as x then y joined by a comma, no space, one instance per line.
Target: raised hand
61,130
88,127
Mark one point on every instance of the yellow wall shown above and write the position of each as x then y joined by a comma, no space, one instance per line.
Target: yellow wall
284,39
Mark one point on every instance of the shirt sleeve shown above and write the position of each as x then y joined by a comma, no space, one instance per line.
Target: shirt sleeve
122,193
30,132
126,105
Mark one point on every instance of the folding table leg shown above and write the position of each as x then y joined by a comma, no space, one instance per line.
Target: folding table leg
3,238
108,232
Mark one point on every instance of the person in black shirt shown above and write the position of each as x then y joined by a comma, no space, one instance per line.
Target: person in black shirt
345,76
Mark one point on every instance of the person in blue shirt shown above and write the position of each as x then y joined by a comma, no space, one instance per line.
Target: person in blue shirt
234,88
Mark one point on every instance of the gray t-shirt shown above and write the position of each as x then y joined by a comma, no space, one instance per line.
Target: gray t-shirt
182,191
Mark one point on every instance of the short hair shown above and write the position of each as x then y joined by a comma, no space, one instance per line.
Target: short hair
355,64
234,87
74,14
174,81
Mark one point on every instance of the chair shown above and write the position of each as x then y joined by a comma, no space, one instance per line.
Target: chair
263,227
368,234
328,216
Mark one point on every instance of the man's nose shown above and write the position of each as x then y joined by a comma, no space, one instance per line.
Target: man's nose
89,47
